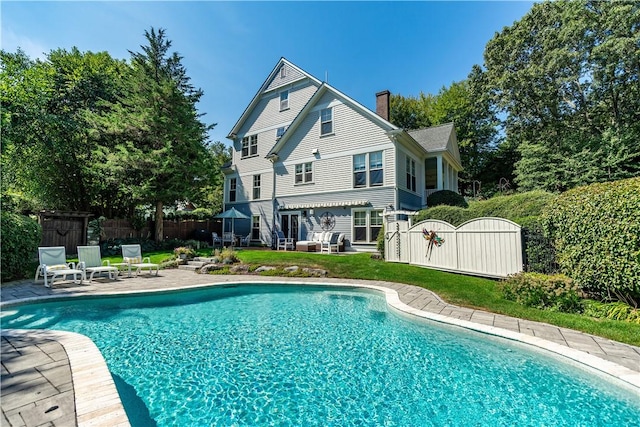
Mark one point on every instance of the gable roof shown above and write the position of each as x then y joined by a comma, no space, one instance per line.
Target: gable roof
438,139
324,88
264,87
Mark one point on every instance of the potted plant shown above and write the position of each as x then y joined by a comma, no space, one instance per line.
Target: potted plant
184,252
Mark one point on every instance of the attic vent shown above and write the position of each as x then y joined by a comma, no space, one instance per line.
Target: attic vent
283,72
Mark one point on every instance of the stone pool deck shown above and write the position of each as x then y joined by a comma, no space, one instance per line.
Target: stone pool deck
59,379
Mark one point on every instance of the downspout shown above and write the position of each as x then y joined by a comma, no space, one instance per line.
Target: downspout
273,158
393,136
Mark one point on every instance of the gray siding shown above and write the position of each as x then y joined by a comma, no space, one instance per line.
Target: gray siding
409,200
267,112
291,76
378,198
333,165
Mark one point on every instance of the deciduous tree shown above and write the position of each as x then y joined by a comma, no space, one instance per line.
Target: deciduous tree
566,79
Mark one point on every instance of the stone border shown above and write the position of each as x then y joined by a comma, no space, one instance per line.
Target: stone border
102,406
97,401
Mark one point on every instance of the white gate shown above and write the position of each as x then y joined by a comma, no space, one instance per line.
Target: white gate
490,247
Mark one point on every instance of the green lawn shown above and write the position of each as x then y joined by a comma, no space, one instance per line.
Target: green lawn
466,291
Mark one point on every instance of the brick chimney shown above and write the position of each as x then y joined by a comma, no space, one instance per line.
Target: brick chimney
382,104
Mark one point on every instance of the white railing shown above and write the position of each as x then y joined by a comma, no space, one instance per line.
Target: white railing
490,247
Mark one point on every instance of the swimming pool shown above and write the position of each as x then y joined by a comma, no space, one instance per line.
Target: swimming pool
290,355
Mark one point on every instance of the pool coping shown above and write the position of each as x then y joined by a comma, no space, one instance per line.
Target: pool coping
102,406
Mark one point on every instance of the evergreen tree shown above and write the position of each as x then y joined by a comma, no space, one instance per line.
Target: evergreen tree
162,143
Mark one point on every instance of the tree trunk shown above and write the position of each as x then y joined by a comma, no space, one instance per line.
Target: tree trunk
159,235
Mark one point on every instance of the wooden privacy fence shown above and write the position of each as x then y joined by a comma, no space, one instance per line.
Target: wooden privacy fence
490,247
69,229
181,229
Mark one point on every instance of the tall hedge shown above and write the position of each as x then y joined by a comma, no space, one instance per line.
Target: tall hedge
596,230
19,242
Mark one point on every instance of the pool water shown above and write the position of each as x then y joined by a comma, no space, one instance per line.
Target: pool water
310,356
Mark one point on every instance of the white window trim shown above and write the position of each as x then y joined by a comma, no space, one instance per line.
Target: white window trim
235,190
408,163
367,226
313,174
367,169
254,187
333,122
280,100
248,138
278,128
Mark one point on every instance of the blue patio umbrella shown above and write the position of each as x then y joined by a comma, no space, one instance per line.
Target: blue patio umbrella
232,214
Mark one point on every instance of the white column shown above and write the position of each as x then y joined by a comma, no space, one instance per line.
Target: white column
439,185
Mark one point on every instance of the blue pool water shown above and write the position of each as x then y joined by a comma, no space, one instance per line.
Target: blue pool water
302,356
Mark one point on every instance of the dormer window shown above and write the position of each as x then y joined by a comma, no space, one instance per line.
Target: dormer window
284,100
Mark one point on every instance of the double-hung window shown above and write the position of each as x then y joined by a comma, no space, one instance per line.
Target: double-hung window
367,225
360,170
326,121
256,187
232,189
375,168
411,174
250,146
368,170
284,100
304,173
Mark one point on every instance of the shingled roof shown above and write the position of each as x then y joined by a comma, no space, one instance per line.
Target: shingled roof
434,138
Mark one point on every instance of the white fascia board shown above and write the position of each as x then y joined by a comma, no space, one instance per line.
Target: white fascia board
262,89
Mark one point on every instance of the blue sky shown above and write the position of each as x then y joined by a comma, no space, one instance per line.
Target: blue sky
229,48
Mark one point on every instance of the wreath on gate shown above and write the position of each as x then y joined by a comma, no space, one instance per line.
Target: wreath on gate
433,239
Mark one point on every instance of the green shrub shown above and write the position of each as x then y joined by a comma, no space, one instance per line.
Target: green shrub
446,197
19,241
453,215
380,241
611,310
188,251
596,232
555,292
226,255
519,208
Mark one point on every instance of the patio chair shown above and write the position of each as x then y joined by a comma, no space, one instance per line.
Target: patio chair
90,261
246,240
132,257
333,244
216,239
284,242
53,263
228,237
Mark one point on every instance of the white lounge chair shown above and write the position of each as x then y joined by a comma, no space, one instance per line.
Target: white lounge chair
53,263
132,257
90,261
285,243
